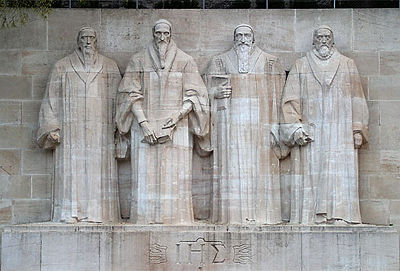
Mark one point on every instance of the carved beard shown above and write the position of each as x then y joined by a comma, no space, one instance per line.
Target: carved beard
243,53
88,55
162,46
323,52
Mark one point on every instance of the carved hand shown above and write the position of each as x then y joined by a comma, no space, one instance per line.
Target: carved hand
54,136
172,121
357,140
148,133
301,137
223,92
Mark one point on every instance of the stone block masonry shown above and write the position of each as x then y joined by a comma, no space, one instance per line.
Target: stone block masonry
27,54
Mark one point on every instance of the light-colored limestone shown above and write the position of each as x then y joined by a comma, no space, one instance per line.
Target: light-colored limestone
15,87
244,86
162,105
77,120
325,121
251,248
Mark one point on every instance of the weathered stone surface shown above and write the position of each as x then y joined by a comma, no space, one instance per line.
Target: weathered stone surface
274,31
30,112
379,252
28,256
37,162
16,187
308,20
5,210
384,87
389,63
15,87
10,62
385,186
39,86
375,212
76,118
40,62
376,29
336,251
29,210
367,62
10,162
222,24
41,186
10,112
79,251
32,35
16,136
63,25
123,247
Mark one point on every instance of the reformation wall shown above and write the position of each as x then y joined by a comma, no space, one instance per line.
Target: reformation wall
205,177
370,37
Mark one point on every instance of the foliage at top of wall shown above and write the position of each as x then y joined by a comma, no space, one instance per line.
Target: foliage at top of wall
18,12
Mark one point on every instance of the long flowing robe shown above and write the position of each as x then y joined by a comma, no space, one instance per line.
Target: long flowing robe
327,101
162,173
246,185
79,103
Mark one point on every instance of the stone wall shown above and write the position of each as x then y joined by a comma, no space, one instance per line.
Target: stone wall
27,54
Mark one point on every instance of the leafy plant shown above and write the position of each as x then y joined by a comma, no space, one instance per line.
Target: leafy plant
18,12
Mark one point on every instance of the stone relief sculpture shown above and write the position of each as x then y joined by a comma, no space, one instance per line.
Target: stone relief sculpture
245,85
162,103
76,120
325,121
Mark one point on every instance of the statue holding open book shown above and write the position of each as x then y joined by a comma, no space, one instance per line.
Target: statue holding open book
162,103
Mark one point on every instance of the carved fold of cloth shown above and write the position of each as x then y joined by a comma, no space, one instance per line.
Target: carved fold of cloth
328,103
161,173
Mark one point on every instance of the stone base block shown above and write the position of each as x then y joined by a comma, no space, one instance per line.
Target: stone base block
57,247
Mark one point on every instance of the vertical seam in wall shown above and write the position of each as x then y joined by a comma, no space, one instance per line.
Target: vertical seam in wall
40,253
294,30
352,29
379,62
47,34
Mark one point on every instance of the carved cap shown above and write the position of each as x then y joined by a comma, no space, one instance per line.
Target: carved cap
86,28
243,25
322,27
163,21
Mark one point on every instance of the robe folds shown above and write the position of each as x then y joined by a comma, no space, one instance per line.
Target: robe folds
80,104
162,173
246,185
326,99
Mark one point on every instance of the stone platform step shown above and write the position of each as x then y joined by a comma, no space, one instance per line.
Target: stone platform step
127,247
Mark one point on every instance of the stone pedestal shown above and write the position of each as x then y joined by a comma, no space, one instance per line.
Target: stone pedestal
57,247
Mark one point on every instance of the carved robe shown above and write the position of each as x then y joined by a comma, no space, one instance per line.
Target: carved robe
162,173
80,103
327,100
246,169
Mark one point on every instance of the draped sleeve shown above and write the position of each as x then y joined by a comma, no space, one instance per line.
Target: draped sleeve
360,113
49,110
195,92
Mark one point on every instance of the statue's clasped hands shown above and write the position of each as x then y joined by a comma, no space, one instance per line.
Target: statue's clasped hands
301,137
223,92
357,140
172,121
54,137
148,133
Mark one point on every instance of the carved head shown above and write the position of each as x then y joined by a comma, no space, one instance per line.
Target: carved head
323,41
162,31
87,40
243,35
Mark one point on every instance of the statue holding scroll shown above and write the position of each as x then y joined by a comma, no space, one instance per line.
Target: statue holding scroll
245,85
